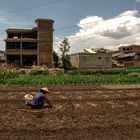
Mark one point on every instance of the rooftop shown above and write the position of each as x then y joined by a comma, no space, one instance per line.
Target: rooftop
129,46
13,30
123,55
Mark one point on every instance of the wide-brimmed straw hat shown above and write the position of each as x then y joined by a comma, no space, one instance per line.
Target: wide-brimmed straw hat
28,97
44,89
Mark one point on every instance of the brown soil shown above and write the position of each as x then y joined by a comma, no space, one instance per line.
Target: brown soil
82,112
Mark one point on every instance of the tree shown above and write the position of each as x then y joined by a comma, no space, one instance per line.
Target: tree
56,59
65,48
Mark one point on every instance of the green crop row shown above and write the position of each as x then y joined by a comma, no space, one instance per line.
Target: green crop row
72,79
90,76
114,71
46,72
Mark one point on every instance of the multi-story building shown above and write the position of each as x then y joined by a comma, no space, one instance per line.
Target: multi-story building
129,48
31,46
2,56
127,56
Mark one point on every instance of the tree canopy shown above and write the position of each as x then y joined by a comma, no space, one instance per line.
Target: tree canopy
65,48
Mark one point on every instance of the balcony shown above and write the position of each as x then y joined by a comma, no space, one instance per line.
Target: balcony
22,33
21,40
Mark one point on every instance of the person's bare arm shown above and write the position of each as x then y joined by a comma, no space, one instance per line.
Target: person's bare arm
48,102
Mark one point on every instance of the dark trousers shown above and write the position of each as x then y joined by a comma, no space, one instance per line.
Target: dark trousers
37,106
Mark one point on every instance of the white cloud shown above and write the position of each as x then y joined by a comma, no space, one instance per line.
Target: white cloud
110,33
93,31
56,44
138,1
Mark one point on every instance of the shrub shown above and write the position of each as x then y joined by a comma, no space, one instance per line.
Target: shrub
74,72
46,72
60,72
33,72
134,74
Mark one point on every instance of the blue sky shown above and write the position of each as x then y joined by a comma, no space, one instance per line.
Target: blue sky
74,16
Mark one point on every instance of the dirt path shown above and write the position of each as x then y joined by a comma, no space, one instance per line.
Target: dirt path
82,112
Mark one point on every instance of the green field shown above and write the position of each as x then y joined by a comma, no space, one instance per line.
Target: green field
90,76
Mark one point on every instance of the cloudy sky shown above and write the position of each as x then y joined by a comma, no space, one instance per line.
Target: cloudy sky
86,23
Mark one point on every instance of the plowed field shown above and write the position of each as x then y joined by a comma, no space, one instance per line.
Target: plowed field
82,112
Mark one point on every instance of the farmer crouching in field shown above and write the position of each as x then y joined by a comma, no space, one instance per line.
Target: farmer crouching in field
38,100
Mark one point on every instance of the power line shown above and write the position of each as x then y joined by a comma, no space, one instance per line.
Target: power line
90,35
66,27
71,26
35,6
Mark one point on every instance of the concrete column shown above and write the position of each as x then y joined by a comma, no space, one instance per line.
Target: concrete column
37,59
21,53
21,59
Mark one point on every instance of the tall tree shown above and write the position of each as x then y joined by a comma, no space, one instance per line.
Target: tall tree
56,61
65,48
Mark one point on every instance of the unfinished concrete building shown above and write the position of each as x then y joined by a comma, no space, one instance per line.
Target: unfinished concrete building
2,56
27,47
100,59
127,56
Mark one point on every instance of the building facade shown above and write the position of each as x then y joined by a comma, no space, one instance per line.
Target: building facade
101,59
27,47
127,56
2,56
129,48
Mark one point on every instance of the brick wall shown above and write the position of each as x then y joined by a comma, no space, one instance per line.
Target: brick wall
45,44
91,61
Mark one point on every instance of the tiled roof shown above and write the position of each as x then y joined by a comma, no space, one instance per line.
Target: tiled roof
117,54
127,55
